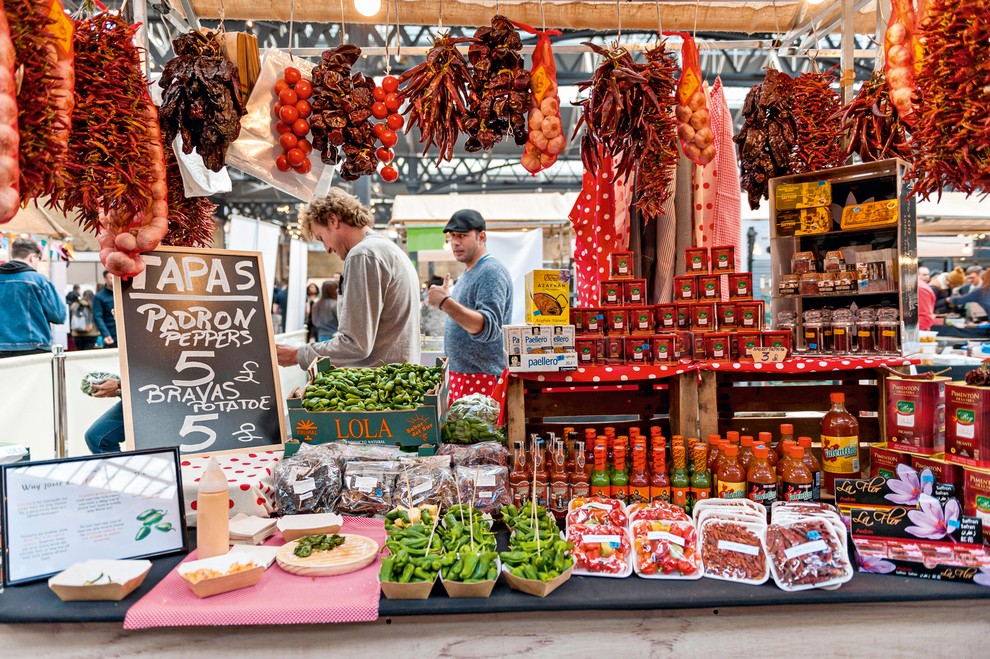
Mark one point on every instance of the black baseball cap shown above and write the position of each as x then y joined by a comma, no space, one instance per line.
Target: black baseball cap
465,220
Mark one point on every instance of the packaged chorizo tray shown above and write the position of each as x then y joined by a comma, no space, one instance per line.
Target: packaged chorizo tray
733,551
601,550
666,549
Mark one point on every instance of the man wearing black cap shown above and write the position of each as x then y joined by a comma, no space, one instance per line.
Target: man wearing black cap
476,309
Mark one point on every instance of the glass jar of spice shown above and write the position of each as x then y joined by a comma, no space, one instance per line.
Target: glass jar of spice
803,262
789,284
814,332
787,320
809,284
888,331
843,331
866,330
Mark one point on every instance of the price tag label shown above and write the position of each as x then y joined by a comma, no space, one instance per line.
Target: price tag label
424,487
805,548
663,535
303,486
768,355
738,547
613,540
365,483
485,480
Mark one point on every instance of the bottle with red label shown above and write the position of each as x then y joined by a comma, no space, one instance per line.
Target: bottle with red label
580,483
761,480
731,477
519,478
620,474
659,480
813,466
840,443
560,487
680,481
797,479
639,477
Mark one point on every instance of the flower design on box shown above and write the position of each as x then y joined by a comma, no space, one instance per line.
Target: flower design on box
874,565
982,577
933,522
908,486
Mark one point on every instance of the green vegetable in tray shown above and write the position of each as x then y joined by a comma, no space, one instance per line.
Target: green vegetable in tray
390,387
415,551
472,419
322,542
528,559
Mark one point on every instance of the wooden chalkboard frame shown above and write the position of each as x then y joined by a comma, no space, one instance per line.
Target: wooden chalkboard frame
265,308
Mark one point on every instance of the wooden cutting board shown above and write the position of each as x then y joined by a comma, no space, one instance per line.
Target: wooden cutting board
356,552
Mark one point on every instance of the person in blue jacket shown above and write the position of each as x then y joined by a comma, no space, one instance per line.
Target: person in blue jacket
29,303
103,312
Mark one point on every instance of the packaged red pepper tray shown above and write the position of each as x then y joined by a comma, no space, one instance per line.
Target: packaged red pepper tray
665,549
601,550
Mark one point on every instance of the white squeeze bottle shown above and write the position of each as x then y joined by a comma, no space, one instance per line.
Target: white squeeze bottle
212,512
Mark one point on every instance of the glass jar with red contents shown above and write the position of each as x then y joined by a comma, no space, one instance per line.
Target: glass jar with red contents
745,342
826,330
809,284
741,286
813,332
717,346
686,288
888,331
866,331
666,315
664,349
843,332
789,285
787,322
723,259
709,288
703,316
697,260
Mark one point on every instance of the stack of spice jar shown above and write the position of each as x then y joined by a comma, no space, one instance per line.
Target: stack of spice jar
713,316
844,331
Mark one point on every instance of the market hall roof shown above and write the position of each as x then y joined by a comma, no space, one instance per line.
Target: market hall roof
740,17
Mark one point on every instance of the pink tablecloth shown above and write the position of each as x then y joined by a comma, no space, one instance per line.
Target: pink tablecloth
279,598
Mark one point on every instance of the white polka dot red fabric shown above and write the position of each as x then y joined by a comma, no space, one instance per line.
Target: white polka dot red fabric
601,223
279,598
250,478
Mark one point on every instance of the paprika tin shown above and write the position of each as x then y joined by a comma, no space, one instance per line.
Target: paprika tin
683,345
740,286
725,312
611,293
717,346
587,350
749,315
684,314
696,259
709,288
703,316
617,321
666,315
685,288
884,461
639,349
698,347
779,339
621,265
641,320
594,321
723,259
664,349
745,342
976,498
634,291
577,319
615,350
967,428
916,414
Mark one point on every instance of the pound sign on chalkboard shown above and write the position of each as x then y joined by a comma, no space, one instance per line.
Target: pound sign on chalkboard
246,433
247,373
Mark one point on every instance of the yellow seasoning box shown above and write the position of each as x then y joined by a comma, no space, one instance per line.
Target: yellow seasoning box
868,215
548,294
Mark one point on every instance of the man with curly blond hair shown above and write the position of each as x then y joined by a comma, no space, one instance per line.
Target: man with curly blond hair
378,295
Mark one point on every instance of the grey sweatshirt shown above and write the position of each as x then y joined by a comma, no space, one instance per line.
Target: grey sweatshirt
378,309
487,289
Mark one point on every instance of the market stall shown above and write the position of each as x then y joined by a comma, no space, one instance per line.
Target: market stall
672,425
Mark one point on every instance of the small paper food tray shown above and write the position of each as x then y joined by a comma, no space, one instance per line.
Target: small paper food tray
473,589
536,587
99,580
221,584
294,527
408,591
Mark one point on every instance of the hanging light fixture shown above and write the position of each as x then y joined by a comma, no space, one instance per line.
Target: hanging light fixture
368,7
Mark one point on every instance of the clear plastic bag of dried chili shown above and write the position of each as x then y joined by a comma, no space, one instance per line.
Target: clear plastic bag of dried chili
807,554
733,551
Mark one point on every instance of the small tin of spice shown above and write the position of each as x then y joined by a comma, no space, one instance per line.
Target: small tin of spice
686,288
749,315
684,315
577,319
779,339
615,350
741,286
641,320
697,260
594,321
666,316
723,259
621,264
709,288
664,349
726,313
699,347
635,291
745,342
617,321
717,346
703,316
683,345
639,349
612,292
587,350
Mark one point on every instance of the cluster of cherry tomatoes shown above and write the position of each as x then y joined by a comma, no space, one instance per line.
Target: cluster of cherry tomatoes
291,111
386,107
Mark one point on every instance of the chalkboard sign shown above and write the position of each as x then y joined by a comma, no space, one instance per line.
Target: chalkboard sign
197,353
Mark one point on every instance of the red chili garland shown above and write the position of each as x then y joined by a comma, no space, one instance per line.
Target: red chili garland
190,219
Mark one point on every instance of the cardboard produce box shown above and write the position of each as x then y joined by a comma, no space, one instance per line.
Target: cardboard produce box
411,429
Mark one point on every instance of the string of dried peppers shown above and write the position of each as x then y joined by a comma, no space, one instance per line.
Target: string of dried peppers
952,121
43,129
115,171
819,127
656,167
201,98
873,124
190,219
